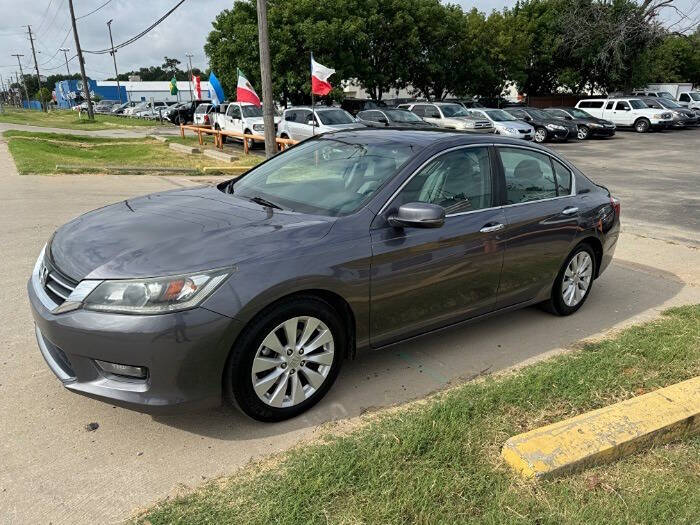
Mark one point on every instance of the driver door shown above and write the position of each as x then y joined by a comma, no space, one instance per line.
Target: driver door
425,278
622,114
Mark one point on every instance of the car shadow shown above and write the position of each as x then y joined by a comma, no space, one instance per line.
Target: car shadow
416,368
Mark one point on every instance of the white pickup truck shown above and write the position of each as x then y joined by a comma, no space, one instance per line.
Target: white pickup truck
242,117
627,112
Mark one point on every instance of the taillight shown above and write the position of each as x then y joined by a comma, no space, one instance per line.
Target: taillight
616,205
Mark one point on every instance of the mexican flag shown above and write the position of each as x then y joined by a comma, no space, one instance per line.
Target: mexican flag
173,86
245,91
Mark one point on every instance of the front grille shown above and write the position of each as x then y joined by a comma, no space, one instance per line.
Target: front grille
482,124
56,285
523,131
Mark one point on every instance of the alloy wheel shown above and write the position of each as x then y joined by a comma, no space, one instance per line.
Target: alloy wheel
582,133
292,362
540,135
577,278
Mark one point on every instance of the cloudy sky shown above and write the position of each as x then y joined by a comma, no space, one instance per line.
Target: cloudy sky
183,32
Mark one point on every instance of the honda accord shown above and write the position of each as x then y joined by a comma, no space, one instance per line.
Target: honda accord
257,289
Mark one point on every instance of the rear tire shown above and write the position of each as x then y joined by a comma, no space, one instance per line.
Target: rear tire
313,378
642,125
573,283
540,135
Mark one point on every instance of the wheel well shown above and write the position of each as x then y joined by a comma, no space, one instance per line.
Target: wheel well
642,118
597,248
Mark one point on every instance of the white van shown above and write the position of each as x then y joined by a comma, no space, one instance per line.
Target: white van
627,112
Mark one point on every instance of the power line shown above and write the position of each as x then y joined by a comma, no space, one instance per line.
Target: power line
93,11
141,34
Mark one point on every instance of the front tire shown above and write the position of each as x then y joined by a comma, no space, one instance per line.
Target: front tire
286,360
573,282
642,125
583,133
540,135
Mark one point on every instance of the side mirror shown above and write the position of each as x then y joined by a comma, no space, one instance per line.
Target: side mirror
383,120
527,118
418,215
309,122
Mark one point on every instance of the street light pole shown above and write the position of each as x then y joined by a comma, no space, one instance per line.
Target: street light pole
266,76
65,55
114,58
189,57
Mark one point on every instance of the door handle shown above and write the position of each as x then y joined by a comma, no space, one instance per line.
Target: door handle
492,227
570,210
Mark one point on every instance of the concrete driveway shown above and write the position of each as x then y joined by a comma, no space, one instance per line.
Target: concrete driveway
54,470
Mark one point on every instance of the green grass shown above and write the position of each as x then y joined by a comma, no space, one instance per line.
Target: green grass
68,119
438,462
39,153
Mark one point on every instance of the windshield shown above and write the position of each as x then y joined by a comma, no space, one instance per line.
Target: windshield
666,95
694,96
454,110
539,114
669,104
331,117
579,113
324,176
251,111
637,104
401,115
498,115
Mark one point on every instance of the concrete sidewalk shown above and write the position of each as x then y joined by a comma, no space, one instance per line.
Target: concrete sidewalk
54,470
136,132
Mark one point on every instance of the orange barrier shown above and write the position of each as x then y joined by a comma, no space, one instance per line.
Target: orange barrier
219,135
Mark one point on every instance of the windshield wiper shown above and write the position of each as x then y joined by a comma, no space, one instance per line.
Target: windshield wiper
265,202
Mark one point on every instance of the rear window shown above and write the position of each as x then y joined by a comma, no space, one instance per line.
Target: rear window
591,104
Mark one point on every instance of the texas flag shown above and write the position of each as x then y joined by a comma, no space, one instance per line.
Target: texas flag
319,78
245,92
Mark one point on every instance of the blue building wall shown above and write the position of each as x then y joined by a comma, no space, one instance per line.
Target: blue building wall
70,92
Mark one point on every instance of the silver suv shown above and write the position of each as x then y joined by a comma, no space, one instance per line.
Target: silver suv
450,115
302,122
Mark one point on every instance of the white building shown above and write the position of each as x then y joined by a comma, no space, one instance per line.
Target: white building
157,90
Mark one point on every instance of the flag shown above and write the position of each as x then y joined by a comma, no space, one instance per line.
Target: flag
319,78
245,92
197,86
173,86
218,95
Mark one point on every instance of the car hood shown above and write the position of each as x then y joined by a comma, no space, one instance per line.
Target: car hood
517,124
591,120
259,120
178,231
337,127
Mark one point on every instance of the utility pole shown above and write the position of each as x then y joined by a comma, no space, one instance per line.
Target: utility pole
26,93
65,55
189,57
36,65
114,58
81,61
266,76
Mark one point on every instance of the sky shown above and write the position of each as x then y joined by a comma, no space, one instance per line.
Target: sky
182,32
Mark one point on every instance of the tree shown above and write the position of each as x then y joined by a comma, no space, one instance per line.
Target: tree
43,96
171,66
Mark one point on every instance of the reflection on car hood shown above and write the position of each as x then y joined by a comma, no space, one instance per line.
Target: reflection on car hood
517,124
351,125
175,232
259,120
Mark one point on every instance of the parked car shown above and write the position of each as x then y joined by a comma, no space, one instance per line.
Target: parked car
257,289
505,123
393,102
682,117
653,94
627,112
397,118
690,100
299,123
242,117
104,106
449,115
120,108
466,103
588,125
355,105
140,106
152,110
547,128
673,88
202,115
183,113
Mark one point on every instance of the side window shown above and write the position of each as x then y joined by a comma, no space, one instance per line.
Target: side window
558,113
432,112
622,105
684,97
372,115
610,105
458,181
303,116
584,104
234,111
419,110
290,116
518,113
563,175
529,175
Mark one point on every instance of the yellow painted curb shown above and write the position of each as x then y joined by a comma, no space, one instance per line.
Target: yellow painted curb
608,433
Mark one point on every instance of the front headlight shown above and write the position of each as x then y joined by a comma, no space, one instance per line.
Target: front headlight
512,131
258,127
154,296
468,124
659,116
555,126
595,125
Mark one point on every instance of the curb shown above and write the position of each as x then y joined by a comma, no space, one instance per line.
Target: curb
606,434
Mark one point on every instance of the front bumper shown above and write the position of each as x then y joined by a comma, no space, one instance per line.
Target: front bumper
601,132
184,352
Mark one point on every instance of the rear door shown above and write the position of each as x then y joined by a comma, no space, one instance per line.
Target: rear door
424,278
541,222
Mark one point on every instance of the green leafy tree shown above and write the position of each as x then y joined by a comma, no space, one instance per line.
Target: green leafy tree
44,96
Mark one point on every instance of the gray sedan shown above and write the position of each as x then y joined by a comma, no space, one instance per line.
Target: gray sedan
256,290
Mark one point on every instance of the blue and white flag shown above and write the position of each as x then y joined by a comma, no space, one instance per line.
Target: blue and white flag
217,94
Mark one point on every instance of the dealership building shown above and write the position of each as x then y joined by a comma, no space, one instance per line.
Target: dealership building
69,92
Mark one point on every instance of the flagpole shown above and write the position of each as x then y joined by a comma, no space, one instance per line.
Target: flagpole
313,100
